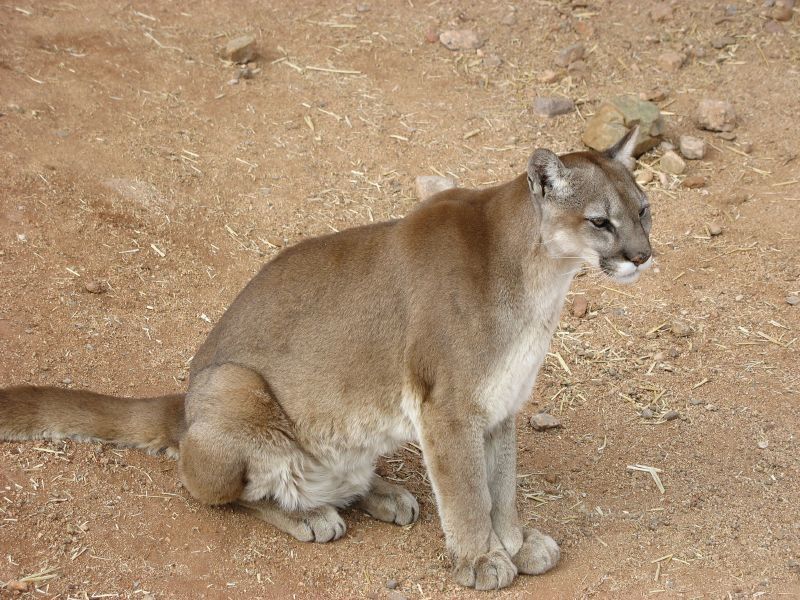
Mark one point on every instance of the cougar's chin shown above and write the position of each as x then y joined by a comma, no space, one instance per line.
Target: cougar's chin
624,271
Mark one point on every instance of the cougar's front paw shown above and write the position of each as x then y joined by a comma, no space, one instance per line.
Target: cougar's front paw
490,571
390,503
539,553
321,525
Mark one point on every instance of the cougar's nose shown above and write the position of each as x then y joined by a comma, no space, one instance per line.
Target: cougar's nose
639,259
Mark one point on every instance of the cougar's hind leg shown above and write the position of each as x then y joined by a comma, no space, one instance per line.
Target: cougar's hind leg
321,524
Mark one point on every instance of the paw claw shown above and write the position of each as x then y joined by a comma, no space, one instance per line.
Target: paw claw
491,571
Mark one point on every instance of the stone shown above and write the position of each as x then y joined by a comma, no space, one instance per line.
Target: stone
714,229
552,106
723,42
17,586
362,8
774,27
680,329
728,136
671,60
391,584
428,185
580,306
240,50
746,147
615,117
672,163
716,115
763,445
584,29
692,147
647,413
96,287
696,402
570,54
431,36
644,177
661,12
492,61
670,415
792,300
694,182
543,421
549,76
781,13
460,39
656,94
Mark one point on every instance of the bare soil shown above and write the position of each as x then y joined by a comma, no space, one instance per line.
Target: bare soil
131,166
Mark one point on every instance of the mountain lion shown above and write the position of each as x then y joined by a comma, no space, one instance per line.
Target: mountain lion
429,328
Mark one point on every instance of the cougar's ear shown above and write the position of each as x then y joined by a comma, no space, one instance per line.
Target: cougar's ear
622,151
546,172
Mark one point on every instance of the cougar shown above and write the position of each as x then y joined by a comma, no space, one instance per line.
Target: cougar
343,347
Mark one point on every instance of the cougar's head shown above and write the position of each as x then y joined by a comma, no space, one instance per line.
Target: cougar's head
592,208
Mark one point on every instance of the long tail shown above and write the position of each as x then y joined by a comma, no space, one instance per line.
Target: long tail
152,424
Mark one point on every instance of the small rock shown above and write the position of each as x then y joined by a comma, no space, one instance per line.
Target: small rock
722,42
96,287
492,61
550,477
716,115
671,60
672,163
694,182
660,356
391,584
549,76
728,136
696,401
792,300
666,146
240,50
67,381
746,147
663,179
551,106
763,445
661,12
670,415
542,421
584,29
692,147
781,13
17,586
647,413
570,54
428,185
614,118
712,407
460,39
774,27
657,94
362,7
644,177
431,36
714,229
580,305
680,329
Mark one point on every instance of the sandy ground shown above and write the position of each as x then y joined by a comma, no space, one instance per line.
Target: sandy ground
130,164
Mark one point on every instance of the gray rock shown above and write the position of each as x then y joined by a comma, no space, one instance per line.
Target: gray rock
428,185
672,163
671,60
670,415
680,329
543,421
570,54
647,413
714,229
460,39
692,147
551,106
615,117
716,115
391,584
722,42
792,300
240,50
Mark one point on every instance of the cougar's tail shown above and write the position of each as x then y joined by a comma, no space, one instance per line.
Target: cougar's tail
153,424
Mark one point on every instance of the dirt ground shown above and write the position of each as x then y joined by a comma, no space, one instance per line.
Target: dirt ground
136,163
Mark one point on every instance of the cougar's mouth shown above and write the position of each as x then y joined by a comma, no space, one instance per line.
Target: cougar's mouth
624,271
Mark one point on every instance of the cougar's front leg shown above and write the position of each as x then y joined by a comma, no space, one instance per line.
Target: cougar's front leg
453,448
532,552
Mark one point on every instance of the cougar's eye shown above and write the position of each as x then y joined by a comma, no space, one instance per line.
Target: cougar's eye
600,223
643,212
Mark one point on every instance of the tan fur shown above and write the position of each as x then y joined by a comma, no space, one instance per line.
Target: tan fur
432,328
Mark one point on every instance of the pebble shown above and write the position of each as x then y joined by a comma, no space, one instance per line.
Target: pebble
694,182
774,27
691,147
67,381
552,106
712,407
781,13
615,117
570,54
644,177
657,94
728,136
431,36
714,229
672,163
663,179
460,39
17,586
428,185
580,306
543,421
746,147
96,287
647,413
716,115
492,61
681,329
696,401
792,300
660,356
549,76
391,584
362,8
671,60
584,29
240,50
670,415
722,42
763,445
